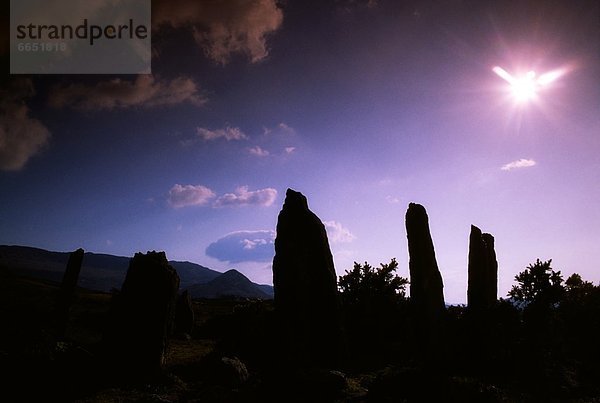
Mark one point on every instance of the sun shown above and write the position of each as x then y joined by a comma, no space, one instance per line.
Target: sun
525,88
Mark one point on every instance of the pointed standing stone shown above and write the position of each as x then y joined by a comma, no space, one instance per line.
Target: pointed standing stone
184,314
426,286
305,283
66,291
482,290
142,314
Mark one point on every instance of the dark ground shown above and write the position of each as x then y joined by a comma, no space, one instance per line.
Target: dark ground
37,366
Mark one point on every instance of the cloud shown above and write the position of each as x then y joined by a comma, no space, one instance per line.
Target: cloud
392,199
281,129
145,91
285,128
337,233
228,133
21,136
522,163
189,195
258,151
244,246
243,197
280,137
222,28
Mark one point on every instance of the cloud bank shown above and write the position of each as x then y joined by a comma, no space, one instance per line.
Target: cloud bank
522,163
199,195
222,28
21,136
244,197
244,246
145,91
189,195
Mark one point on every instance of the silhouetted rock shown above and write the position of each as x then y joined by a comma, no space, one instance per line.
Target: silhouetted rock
482,292
142,315
328,383
426,287
232,371
184,314
67,289
304,277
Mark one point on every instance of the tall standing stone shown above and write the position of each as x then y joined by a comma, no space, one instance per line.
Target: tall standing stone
142,315
305,282
426,286
482,290
184,314
67,290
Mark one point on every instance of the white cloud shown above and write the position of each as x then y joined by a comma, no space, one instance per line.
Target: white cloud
258,151
243,197
228,133
250,244
337,233
21,136
282,129
145,91
189,195
290,150
522,163
392,199
244,246
222,28
286,129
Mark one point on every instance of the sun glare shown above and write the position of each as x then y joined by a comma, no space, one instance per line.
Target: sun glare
522,88
526,87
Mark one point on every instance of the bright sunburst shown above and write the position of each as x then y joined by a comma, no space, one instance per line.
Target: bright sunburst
525,88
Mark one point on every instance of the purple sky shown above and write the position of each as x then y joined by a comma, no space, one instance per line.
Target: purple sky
363,106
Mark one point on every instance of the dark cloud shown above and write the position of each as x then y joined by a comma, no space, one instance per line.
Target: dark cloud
222,28
21,136
145,91
244,246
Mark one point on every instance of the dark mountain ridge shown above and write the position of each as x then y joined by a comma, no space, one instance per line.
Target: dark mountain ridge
103,272
232,283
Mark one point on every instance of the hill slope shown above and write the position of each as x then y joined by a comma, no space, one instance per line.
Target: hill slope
231,283
99,271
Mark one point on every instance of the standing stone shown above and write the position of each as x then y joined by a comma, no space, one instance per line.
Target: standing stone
67,290
482,290
306,300
142,315
426,286
184,314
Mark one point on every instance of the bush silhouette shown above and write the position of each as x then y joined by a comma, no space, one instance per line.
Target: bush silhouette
374,305
365,284
538,284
